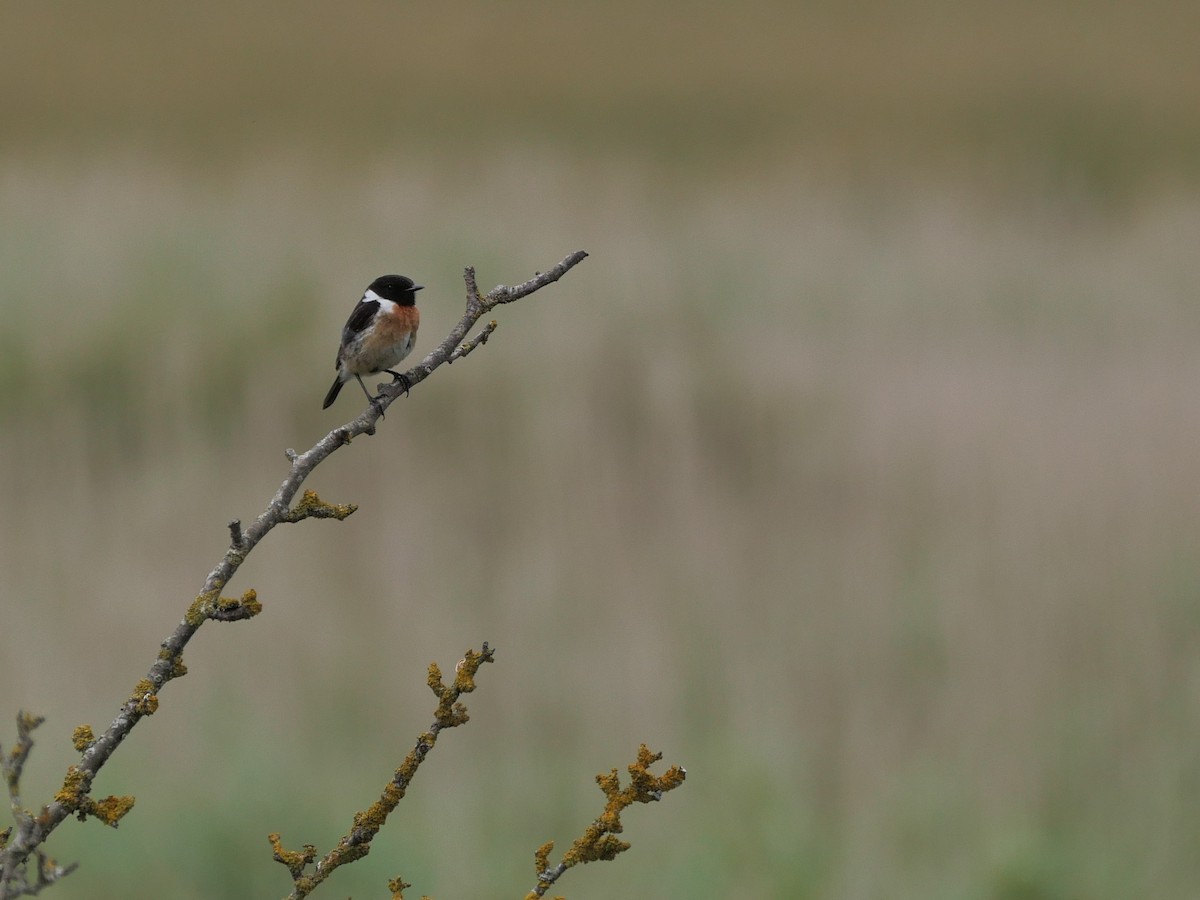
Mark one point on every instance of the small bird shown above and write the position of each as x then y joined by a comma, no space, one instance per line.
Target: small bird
380,332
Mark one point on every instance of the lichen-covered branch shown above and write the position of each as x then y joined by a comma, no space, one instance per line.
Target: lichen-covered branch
599,841
16,877
30,830
357,842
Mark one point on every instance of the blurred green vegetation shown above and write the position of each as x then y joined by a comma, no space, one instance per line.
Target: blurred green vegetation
849,471
1097,93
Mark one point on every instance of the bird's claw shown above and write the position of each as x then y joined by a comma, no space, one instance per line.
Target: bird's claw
402,379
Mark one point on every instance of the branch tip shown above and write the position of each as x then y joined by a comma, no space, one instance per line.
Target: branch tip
230,609
356,843
599,841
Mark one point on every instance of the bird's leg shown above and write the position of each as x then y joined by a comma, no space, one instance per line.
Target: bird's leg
374,401
403,379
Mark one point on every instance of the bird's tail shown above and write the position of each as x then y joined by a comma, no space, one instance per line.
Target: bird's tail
333,392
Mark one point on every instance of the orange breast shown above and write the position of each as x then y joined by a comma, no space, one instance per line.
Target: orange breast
388,341
400,324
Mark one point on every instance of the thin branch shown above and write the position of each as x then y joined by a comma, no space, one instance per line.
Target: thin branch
482,338
599,841
14,880
357,842
14,763
32,831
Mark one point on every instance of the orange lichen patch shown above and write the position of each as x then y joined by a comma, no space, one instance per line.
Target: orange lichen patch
82,737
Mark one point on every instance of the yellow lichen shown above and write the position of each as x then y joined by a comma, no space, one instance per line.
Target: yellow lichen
250,602
434,679
295,860
598,841
82,737
76,782
198,611
110,810
313,506
143,698
541,857
27,721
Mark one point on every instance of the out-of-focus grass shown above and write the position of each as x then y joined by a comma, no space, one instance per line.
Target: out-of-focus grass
851,470
1098,94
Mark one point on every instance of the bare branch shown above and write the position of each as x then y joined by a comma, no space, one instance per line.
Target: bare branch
32,831
477,305
482,338
501,294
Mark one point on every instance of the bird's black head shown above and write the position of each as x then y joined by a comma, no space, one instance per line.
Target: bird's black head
397,288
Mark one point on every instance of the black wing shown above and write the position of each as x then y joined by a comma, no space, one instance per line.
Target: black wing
359,319
363,313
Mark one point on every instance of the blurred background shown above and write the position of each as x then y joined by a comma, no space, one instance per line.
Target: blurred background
851,470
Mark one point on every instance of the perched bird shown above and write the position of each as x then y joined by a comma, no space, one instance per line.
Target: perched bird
380,332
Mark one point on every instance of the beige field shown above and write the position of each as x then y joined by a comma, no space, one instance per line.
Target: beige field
855,470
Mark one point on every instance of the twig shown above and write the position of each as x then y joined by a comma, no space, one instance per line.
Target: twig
357,842
14,880
598,841
14,762
32,831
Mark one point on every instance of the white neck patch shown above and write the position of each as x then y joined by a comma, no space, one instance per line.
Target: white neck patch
385,304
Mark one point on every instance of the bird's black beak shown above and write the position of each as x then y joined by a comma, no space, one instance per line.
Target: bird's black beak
418,287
